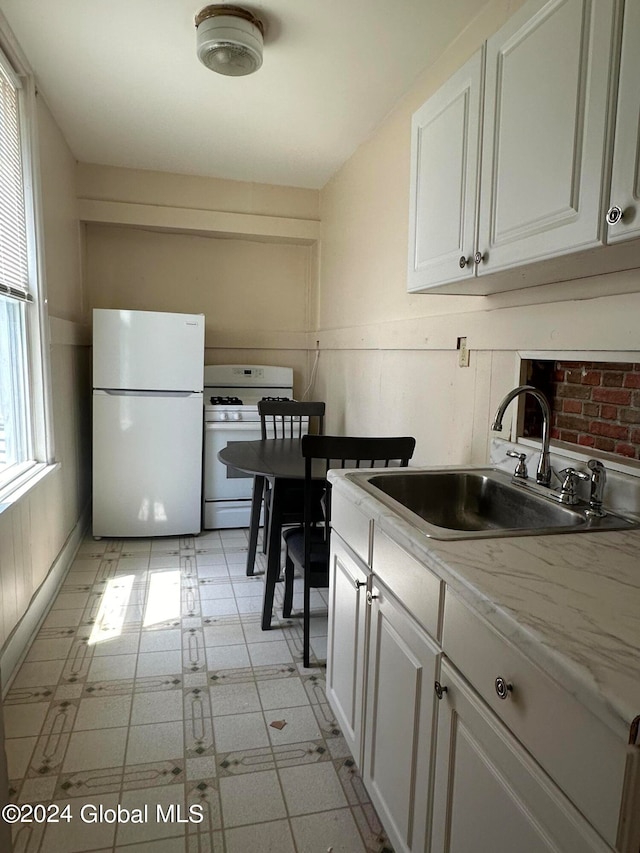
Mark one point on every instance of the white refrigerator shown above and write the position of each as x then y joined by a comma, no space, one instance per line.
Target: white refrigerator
147,423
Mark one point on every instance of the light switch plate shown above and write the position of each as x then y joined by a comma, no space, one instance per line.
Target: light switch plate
463,353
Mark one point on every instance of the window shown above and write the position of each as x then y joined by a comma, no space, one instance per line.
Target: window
14,424
23,436
594,404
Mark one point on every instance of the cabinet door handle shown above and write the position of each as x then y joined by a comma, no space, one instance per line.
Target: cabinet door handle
614,214
440,690
370,597
479,257
464,262
503,688
358,583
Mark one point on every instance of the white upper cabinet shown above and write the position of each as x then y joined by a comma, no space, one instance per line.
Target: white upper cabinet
546,107
624,212
445,140
545,132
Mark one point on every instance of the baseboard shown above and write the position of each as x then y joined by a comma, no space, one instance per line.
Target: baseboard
19,642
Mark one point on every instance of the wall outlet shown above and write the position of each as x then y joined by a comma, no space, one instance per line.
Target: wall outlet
463,353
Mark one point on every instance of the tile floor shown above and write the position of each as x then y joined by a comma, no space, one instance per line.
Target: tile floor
152,684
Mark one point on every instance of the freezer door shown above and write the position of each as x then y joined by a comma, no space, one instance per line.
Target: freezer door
147,464
148,350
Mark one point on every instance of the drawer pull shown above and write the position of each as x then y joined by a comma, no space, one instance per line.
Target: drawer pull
503,688
440,690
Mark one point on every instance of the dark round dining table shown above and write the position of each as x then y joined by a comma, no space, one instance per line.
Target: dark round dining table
280,461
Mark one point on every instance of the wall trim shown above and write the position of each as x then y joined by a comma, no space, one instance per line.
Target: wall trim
256,339
555,326
16,647
185,220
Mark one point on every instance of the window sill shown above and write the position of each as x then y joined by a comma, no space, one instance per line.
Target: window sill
22,485
578,453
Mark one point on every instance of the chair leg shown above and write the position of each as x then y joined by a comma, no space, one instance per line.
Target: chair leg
306,622
272,573
289,572
256,503
267,498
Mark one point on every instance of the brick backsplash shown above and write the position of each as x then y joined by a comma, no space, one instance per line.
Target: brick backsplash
595,404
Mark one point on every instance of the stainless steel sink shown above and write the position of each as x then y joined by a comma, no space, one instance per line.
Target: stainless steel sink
479,503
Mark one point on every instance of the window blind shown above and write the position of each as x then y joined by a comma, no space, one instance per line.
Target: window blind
14,274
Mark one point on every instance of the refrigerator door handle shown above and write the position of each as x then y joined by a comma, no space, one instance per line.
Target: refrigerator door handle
117,392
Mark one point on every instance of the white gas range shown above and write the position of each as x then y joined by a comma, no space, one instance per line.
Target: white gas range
231,396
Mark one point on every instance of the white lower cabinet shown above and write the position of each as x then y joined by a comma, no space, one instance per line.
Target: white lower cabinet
401,671
346,642
505,760
584,757
381,667
489,793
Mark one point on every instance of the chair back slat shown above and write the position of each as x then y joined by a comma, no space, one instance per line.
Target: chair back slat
339,451
287,419
349,452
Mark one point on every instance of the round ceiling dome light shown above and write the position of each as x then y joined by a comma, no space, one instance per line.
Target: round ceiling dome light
229,40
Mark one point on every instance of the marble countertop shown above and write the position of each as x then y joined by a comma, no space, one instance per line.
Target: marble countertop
570,603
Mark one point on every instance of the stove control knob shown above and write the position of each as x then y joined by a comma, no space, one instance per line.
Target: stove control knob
236,416
224,416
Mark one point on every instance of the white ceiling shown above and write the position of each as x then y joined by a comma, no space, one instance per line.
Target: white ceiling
126,88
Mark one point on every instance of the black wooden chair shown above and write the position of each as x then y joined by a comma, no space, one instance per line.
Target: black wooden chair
307,547
286,419
290,419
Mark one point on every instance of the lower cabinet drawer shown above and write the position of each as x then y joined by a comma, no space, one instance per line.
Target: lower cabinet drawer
421,592
352,525
583,756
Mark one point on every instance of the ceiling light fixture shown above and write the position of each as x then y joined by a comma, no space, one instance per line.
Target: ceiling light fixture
229,39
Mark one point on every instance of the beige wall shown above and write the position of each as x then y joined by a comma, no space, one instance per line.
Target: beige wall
388,361
35,529
364,208
239,285
258,295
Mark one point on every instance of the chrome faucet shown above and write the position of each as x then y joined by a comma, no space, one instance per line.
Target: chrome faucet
543,471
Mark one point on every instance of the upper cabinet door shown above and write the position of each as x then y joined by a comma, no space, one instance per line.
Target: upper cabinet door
444,178
546,131
624,212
